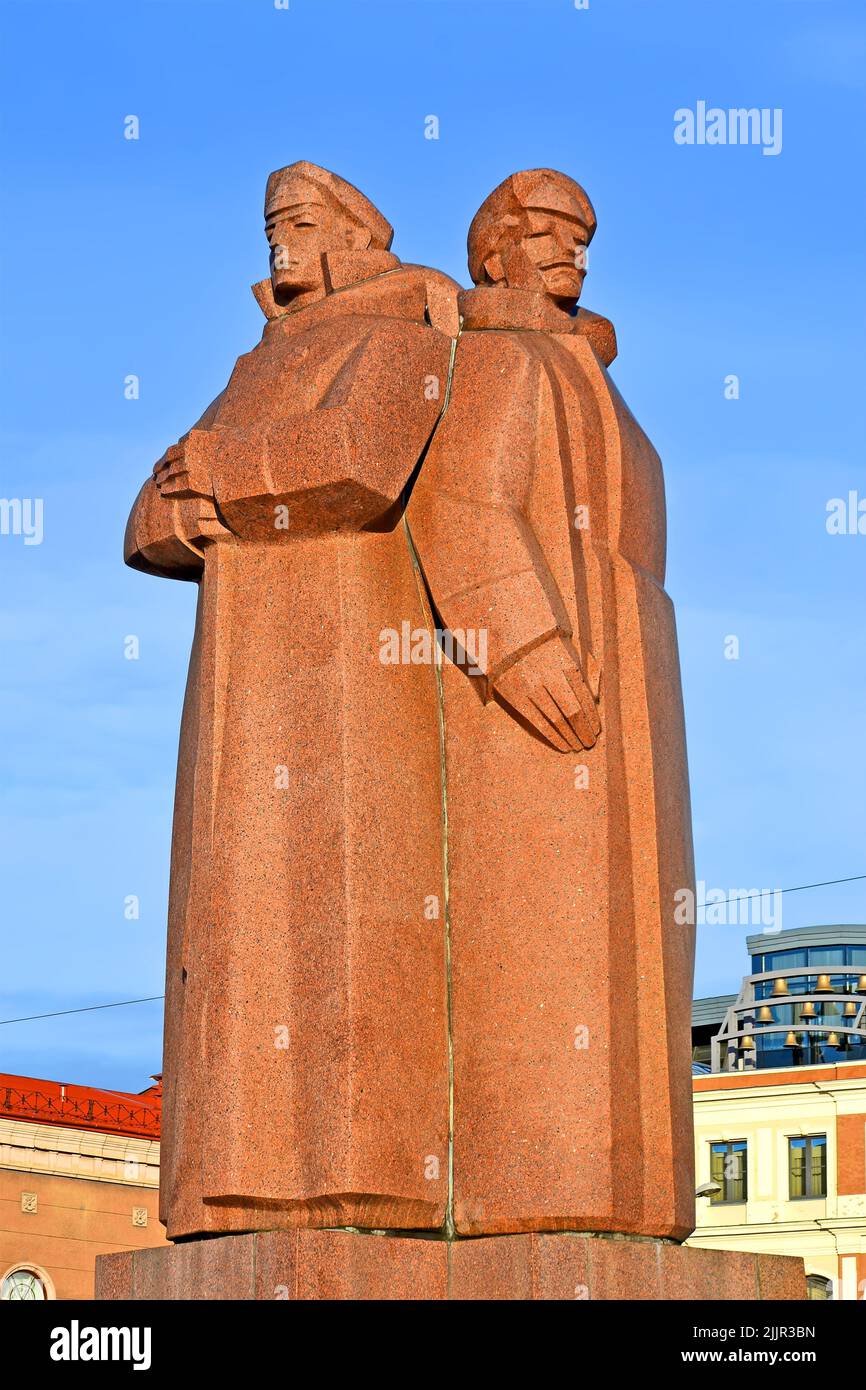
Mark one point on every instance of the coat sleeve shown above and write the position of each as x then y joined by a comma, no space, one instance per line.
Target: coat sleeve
481,560
159,530
156,536
346,462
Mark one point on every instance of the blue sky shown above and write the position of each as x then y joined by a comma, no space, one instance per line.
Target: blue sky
127,257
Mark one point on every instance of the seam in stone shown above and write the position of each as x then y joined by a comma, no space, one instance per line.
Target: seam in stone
449,1209
404,1233
448,1227
446,906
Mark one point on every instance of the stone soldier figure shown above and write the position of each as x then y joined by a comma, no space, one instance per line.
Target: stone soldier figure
539,519
306,1051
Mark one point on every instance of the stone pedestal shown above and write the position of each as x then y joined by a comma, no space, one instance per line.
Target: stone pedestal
345,1265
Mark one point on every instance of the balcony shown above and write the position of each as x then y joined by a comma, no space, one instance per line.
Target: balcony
793,1017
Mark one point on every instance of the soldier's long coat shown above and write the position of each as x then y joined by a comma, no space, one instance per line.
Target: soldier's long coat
306,1075
540,510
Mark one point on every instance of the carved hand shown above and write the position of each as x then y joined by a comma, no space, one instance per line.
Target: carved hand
186,468
201,522
547,689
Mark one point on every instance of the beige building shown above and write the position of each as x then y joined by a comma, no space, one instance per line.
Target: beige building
780,1108
787,1149
79,1177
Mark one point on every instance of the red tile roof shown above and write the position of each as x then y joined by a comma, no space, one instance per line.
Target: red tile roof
82,1107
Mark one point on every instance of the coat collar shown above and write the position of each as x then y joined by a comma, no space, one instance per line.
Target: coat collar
346,271
488,306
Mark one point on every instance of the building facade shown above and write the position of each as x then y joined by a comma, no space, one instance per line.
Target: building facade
79,1177
780,1108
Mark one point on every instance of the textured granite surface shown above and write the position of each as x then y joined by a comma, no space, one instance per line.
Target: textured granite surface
342,1265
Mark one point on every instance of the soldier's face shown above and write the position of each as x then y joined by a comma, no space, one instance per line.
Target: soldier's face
300,231
552,251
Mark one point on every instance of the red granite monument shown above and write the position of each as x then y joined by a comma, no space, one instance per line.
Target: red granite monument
427,1004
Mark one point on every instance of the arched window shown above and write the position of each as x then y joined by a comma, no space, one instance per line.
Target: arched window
818,1287
25,1284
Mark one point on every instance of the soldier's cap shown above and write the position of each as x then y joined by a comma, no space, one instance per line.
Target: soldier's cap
279,194
502,213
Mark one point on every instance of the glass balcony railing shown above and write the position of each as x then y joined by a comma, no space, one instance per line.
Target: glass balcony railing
788,1017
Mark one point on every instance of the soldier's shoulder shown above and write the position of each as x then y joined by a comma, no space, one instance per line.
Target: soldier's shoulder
440,297
498,350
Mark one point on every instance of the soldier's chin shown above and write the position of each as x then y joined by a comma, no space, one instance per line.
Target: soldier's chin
287,287
563,284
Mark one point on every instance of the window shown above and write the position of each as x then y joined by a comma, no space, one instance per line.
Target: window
818,1287
728,1169
810,956
778,960
22,1285
827,955
807,1166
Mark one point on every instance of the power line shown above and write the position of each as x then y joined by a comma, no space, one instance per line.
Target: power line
87,1009
151,998
764,892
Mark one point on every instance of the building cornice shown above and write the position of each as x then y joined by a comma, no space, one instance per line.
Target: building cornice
76,1153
